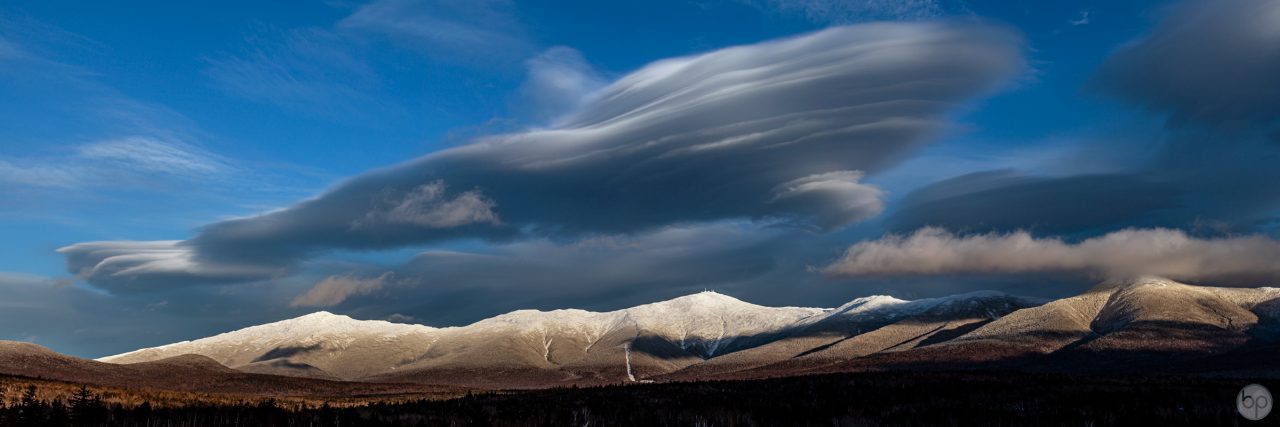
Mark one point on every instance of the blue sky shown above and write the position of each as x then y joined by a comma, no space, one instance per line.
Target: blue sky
224,136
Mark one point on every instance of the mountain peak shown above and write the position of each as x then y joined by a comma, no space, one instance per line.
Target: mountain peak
320,315
1134,282
705,300
868,303
710,295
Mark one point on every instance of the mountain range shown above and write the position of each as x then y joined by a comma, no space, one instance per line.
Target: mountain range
1140,326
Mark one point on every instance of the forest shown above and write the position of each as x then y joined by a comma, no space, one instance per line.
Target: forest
889,398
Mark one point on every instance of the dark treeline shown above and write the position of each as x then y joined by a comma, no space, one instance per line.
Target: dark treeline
831,400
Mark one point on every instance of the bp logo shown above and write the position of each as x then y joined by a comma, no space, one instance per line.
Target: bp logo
1254,402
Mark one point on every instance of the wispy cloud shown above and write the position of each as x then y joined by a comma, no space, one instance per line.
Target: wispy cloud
9,50
308,70
28,175
474,31
1081,19
24,279
559,80
116,162
153,155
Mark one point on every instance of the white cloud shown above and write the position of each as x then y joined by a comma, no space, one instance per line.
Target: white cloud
558,82
37,175
155,155
309,70
335,289
116,264
851,201
468,30
1126,253
115,162
1082,19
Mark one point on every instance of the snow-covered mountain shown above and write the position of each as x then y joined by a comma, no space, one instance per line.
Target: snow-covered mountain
320,344
711,335
559,345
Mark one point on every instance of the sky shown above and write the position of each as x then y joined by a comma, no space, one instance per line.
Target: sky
172,170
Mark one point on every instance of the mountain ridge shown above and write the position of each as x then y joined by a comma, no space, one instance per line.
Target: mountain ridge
708,335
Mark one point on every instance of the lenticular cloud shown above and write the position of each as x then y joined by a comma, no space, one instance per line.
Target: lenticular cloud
780,131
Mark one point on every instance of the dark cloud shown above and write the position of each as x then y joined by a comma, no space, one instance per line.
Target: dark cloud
771,267
776,131
87,323
444,287
1008,200
1209,61
1214,69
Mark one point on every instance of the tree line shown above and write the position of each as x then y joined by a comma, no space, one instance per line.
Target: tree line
901,398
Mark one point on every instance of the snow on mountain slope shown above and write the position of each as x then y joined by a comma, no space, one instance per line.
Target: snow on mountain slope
862,327
890,307
709,324
1117,325
333,344
705,324
583,346
551,346
709,335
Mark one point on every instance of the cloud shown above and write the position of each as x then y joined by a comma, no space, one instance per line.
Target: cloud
28,280
853,200
401,318
1126,253
847,11
116,163
1006,200
559,81
1210,69
1208,61
309,70
1082,19
462,30
132,266
601,271
9,50
427,206
776,131
333,290
37,175
154,155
